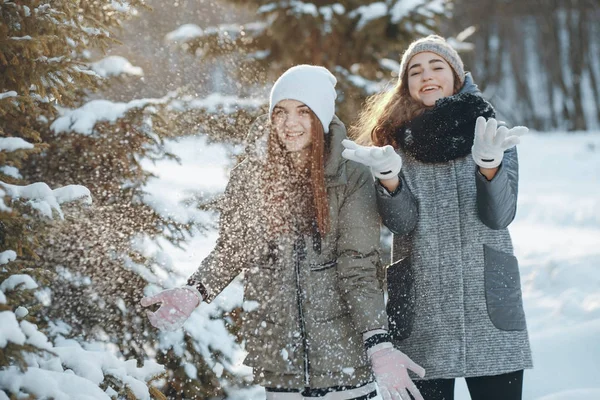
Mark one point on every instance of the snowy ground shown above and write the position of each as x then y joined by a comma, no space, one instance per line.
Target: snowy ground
556,236
557,240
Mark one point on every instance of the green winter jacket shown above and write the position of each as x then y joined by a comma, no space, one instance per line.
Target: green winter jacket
307,308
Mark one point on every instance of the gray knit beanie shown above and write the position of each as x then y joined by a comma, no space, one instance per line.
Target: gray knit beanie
438,45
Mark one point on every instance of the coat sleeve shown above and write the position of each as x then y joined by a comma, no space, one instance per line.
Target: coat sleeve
497,199
358,251
233,251
399,213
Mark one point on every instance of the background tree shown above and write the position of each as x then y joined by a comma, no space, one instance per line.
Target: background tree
536,60
360,41
41,66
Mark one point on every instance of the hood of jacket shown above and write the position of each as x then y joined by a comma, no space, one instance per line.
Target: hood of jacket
470,86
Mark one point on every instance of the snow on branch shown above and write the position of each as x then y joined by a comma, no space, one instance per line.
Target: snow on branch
115,66
8,94
89,72
48,384
43,199
9,332
94,365
218,102
18,281
184,33
122,6
7,256
370,87
328,11
11,171
402,9
297,7
459,43
300,7
69,193
83,119
14,143
420,11
398,11
369,13
67,370
188,32
389,64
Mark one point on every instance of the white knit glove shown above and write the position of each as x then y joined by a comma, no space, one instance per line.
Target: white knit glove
491,142
385,163
176,307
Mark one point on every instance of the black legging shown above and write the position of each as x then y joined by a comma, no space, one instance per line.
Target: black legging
496,387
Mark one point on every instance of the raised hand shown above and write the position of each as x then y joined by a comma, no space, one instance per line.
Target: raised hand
491,142
384,162
390,367
176,307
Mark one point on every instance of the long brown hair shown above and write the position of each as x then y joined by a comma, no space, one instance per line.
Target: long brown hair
296,198
384,112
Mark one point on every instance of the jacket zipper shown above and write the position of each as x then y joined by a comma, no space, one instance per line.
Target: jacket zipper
299,255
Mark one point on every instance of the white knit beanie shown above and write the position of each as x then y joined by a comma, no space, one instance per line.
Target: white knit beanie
311,85
438,45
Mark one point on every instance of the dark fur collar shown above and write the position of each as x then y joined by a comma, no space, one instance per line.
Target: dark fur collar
444,132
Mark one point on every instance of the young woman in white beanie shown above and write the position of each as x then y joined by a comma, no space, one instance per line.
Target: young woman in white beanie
300,221
446,184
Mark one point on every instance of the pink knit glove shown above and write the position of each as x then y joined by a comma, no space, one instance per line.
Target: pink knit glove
177,305
390,367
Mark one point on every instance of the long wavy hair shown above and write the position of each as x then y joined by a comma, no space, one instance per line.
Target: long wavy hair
384,112
297,199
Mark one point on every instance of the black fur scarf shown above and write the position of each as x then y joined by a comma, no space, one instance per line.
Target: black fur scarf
444,132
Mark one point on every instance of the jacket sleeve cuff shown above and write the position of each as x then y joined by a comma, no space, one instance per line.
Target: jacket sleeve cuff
376,340
198,287
398,210
384,192
497,199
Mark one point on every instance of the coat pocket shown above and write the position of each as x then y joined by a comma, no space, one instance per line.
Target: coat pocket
270,346
326,301
503,290
401,299
336,346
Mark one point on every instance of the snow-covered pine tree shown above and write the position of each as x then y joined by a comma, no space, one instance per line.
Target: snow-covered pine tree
99,260
42,68
360,41
107,254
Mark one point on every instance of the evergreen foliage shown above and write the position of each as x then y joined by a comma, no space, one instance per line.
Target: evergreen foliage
65,259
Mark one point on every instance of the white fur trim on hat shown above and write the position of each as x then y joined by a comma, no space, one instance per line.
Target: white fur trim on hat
311,85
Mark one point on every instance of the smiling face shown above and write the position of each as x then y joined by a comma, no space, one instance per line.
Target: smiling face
430,78
292,122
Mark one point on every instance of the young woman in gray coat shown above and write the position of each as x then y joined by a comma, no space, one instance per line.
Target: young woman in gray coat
300,221
448,193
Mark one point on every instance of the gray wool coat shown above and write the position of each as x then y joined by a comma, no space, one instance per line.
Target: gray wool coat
309,307
466,315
